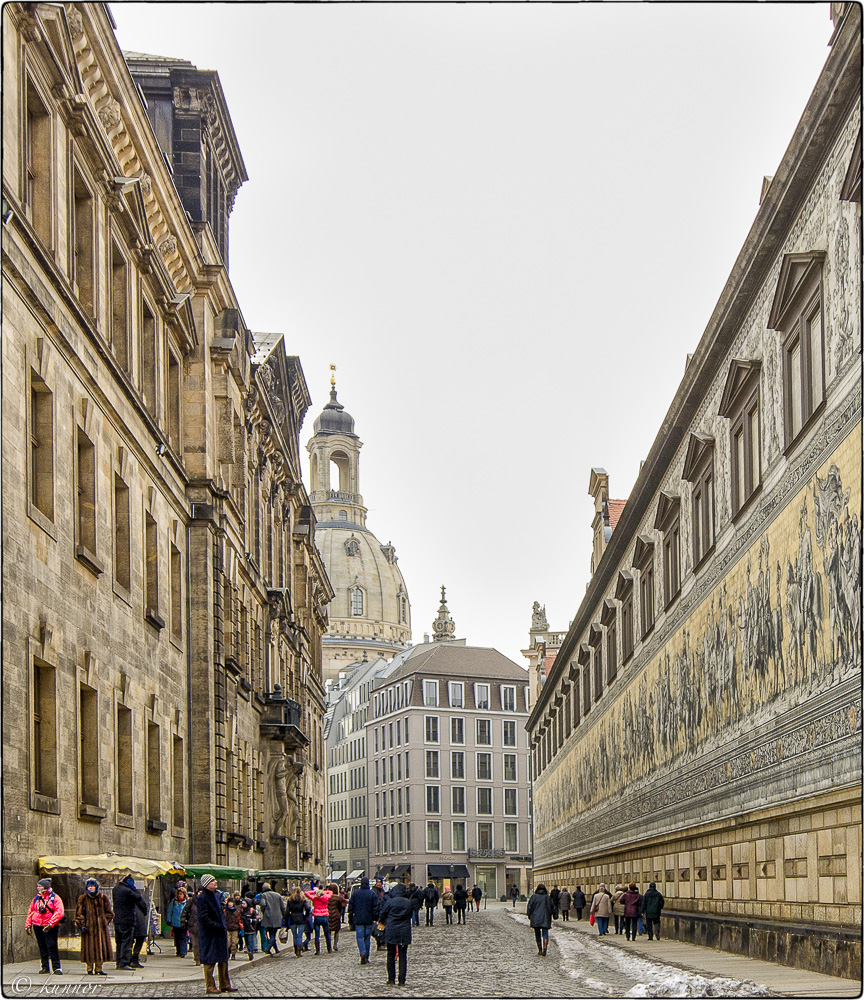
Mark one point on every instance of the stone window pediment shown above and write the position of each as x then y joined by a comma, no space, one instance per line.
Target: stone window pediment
624,584
851,190
608,611
668,509
584,655
798,273
699,449
743,376
644,551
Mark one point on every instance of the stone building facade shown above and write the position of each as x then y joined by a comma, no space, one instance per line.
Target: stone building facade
164,600
370,615
448,768
701,727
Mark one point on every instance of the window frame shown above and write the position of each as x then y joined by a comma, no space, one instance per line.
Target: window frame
477,724
430,689
699,472
452,687
741,400
643,562
426,730
668,523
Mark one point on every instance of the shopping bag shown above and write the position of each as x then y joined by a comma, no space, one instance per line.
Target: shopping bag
591,919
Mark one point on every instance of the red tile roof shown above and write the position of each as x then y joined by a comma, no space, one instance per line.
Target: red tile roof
615,509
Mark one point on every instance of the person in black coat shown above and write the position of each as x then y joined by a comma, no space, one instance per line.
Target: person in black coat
540,907
142,927
213,936
430,901
396,914
578,901
477,895
460,903
363,908
126,899
415,894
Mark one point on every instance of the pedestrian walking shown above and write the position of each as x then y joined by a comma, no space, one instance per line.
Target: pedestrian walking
447,903
554,895
564,899
460,903
92,916
249,921
578,901
335,906
297,910
415,895
189,923
213,937
430,901
127,899
320,916
272,916
540,907
477,895
396,915
45,913
363,909
652,905
632,901
232,925
142,926
174,916
601,907
618,909
514,894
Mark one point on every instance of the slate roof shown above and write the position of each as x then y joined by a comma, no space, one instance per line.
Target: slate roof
460,661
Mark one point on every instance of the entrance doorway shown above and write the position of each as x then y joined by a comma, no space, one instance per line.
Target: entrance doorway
487,880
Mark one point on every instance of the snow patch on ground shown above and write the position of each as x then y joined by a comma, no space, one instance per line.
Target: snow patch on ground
651,978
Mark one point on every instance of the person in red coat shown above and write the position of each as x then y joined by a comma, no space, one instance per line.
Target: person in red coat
45,913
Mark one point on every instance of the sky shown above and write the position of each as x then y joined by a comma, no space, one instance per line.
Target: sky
507,225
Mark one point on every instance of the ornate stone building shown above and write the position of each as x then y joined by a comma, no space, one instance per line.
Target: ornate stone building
701,726
164,600
370,615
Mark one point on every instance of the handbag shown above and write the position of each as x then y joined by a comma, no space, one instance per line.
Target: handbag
591,919
378,932
283,935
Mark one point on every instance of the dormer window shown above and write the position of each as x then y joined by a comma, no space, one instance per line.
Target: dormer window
740,403
797,314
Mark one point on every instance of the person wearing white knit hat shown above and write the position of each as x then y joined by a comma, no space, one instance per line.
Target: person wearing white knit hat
213,937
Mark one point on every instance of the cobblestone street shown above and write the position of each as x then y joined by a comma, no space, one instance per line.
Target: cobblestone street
493,955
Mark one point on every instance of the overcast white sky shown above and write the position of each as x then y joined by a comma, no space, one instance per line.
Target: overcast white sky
496,220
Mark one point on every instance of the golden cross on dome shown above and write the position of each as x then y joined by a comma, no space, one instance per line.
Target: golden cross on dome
333,377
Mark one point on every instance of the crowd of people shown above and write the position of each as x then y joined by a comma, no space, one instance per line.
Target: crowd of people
633,913
218,926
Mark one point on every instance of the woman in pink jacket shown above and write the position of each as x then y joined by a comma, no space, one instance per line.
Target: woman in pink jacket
320,916
45,913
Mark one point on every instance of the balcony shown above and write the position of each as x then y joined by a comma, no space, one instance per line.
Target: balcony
281,720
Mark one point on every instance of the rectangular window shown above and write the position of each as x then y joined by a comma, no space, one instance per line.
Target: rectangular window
89,753
484,766
407,770
390,728
457,765
85,482
432,764
484,836
433,835
510,796
646,597
122,534
598,671
459,836
177,772
41,446
484,801
509,735
457,798
174,406
124,760
457,731
433,799
508,699
586,690
82,243
671,561
431,728
611,652
44,730
481,696
509,766
627,625
701,474
176,569
511,838
149,360
120,308
154,772
484,732
151,569
37,168
457,694
430,694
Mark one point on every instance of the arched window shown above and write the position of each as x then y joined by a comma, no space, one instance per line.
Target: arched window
343,515
356,601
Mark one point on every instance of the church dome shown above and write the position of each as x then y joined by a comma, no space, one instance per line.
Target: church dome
334,418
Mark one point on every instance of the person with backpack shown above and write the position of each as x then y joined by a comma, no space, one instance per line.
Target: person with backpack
45,913
447,903
396,915
430,901
250,921
363,909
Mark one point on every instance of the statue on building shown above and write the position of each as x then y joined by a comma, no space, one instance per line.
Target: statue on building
280,804
539,622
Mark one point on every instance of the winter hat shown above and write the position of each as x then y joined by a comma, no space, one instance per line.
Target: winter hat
364,883
130,881
207,881
43,883
652,885
91,881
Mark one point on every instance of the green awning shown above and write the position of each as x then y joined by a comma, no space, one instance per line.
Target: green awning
218,871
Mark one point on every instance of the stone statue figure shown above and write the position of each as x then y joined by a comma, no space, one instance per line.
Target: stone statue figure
292,789
538,618
281,805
